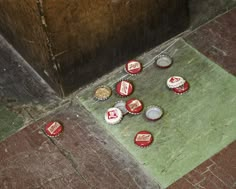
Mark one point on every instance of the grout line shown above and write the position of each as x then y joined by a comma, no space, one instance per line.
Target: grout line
69,157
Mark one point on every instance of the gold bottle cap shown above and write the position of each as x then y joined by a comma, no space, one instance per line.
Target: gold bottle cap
102,93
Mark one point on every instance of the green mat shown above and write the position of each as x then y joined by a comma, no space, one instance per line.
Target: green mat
9,123
195,126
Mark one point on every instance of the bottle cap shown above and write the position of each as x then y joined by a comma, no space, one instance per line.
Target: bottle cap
153,113
175,81
53,128
182,89
121,105
102,93
124,88
133,67
134,106
113,116
164,61
143,139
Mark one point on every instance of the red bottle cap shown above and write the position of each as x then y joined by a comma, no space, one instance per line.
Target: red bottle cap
134,106
53,128
182,89
124,88
133,67
143,138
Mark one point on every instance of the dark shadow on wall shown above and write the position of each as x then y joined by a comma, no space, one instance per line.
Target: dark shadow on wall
91,44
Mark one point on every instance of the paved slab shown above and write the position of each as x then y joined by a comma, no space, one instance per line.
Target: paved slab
218,172
195,126
217,39
10,122
96,156
29,159
84,156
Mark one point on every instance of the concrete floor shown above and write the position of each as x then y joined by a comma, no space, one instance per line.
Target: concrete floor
91,154
192,128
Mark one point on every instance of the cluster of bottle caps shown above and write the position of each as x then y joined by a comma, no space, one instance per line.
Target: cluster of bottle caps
135,106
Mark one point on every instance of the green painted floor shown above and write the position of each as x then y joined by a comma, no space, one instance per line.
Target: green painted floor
10,123
195,125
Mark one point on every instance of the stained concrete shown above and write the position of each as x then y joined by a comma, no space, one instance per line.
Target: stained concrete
84,156
23,93
195,126
217,40
215,173
18,81
10,122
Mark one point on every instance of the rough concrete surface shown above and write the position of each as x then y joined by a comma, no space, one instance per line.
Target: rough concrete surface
195,125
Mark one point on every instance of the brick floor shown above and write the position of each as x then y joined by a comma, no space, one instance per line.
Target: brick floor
217,39
96,155
29,160
84,156
218,172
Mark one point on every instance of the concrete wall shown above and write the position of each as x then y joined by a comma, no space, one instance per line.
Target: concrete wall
19,83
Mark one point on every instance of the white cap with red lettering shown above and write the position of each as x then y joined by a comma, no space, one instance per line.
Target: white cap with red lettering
113,116
175,81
